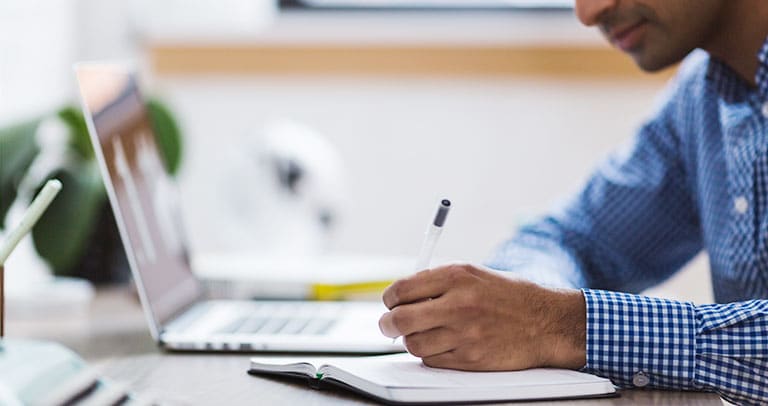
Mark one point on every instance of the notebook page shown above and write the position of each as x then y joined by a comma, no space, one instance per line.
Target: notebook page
407,371
304,365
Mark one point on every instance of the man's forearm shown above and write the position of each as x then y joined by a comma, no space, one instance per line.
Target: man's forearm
540,259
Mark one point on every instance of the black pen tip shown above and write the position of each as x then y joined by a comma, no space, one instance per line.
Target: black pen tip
442,213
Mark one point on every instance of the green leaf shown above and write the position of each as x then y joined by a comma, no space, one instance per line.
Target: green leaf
167,135
18,148
62,234
79,139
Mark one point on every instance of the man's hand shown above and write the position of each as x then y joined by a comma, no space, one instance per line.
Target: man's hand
464,317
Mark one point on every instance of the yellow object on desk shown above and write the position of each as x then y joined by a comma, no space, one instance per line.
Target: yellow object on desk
348,291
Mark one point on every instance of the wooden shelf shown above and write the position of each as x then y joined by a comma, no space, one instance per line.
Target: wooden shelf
432,60
399,43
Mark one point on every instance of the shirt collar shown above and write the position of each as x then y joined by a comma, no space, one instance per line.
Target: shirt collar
730,85
762,70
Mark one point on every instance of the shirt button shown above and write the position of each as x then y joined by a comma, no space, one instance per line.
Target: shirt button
740,204
641,379
765,109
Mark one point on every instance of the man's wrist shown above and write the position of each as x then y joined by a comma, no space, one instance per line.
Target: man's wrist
565,330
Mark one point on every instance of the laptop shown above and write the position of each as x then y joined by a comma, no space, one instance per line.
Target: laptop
144,201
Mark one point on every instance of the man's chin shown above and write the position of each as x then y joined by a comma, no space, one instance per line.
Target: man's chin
652,65
650,61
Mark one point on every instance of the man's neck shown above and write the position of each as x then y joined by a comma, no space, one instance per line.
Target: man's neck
742,31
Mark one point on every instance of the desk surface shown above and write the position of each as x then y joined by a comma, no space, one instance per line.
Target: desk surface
113,337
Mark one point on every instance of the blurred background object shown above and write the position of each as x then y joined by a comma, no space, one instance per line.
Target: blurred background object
504,109
287,182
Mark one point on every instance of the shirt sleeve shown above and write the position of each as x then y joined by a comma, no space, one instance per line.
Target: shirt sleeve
639,341
633,224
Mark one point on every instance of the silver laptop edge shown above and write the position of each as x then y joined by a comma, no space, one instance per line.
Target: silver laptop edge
155,326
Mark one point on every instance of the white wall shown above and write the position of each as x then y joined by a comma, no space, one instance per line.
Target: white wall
37,47
501,149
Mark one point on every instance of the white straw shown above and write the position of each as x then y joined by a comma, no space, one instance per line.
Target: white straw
35,210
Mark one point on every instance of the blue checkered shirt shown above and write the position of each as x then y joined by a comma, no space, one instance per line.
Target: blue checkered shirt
694,178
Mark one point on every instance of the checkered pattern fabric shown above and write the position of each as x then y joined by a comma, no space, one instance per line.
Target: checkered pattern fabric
677,345
695,177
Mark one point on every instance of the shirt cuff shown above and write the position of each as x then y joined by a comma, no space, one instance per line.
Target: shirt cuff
639,341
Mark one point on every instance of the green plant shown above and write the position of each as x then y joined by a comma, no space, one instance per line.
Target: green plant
70,227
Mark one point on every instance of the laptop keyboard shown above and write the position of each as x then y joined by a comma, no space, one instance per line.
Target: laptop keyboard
284,318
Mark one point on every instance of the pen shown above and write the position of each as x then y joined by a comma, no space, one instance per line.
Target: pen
433,233
430,238
33,213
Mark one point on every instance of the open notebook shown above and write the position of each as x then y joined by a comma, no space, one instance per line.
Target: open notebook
403,378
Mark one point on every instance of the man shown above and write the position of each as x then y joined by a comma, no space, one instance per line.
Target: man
696,177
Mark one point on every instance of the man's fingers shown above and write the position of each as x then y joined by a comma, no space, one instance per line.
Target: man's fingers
431,342
447,359
426,284
412,318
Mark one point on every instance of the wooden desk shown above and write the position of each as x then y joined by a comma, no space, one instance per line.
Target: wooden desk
113,337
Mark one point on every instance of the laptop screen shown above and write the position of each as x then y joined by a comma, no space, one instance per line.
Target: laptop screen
142,195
